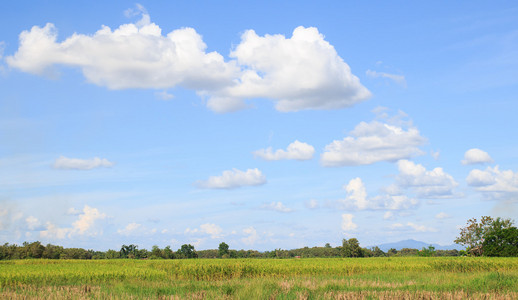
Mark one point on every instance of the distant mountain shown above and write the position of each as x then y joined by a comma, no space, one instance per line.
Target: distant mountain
416,245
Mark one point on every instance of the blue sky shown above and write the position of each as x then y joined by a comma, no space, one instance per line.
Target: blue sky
264,125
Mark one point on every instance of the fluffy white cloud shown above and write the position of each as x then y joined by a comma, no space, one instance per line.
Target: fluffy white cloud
251,236
233,179
277,206
373,142
301,72
66,163
428,184
211,229
399,79
130,229
54,232
132,56
412,227
347,222
32,222
391,199
87,219
494,183
84,225
357,194
476,156
296,150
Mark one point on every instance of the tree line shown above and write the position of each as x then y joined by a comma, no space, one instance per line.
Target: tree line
349,248
489,237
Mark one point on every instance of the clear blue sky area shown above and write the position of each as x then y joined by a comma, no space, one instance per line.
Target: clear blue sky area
266,124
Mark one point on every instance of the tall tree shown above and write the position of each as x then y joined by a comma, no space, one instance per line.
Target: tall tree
223,250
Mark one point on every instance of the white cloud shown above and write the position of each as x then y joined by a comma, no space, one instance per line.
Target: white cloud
277,206
428,184
130,229
412,227
442,215
494,183
296,150
312,204
54,232
73,211
251,236
388,215
233,179
391,199
399,79
301,72
84,225
211,229
164,95
87,220
373,142
132,56
347,222
476,156
2,49
435,154
357,194
32,222
66,163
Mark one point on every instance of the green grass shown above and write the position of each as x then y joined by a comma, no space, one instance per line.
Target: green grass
321,278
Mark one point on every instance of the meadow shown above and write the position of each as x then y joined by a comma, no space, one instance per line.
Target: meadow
309,278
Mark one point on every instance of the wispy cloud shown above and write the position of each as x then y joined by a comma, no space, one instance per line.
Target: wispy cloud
234,178
399,79
277,206
66,163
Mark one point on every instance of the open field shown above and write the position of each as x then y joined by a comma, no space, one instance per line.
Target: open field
323,278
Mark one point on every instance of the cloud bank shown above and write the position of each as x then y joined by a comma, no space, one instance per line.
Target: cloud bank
299,72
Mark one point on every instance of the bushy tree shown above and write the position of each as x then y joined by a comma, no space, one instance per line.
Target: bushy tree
168,253
430,251
475,234
187,251
501,242
351,248
223,250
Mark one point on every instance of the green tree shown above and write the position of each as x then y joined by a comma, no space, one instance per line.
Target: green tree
187,251
501,242
223,250
377,252
168,253
474,234
351,248
430,251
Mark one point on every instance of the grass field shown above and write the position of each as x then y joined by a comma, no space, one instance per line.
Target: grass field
323,278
